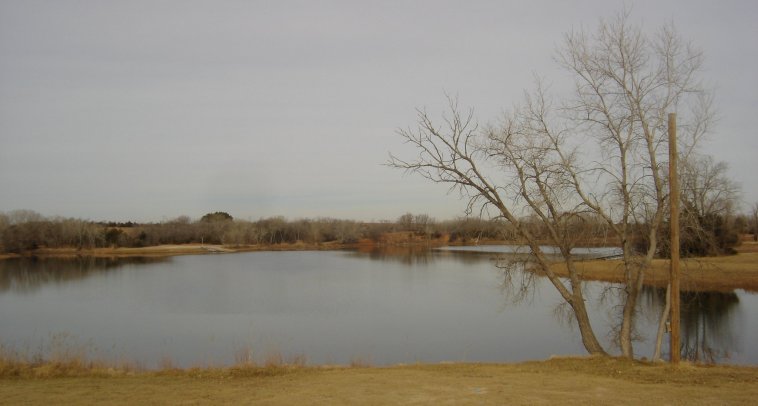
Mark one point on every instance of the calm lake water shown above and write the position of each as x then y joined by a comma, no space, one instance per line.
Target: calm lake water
333,307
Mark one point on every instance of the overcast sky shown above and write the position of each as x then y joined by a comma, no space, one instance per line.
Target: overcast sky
147,110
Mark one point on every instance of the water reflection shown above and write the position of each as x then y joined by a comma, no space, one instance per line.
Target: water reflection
524,250
391,305
419,255
711,327
26,275
709,332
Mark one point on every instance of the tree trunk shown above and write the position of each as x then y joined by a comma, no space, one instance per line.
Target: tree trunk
591,344
634,277
575,297
630,302
662,325
625,335
633,288
627,323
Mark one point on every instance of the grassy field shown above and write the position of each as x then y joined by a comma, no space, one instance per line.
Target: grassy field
591,380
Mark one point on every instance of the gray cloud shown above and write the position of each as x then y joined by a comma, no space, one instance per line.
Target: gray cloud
144,110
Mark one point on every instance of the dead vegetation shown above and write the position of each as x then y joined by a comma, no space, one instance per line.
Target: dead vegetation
580,380
725,273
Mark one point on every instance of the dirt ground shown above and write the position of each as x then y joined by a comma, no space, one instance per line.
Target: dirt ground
591,380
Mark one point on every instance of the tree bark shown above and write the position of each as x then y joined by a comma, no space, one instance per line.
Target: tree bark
662,325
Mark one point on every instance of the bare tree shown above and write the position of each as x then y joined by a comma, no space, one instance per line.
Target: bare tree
459,155
626,84
601,152
708,200
406,222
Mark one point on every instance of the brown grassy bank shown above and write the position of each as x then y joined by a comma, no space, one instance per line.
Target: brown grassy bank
698,274
558,381
172,249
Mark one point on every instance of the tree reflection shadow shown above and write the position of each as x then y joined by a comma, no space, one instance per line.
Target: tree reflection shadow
25,275
708,328
419,255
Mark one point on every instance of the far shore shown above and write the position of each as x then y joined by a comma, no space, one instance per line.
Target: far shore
168,250
197,249
724,273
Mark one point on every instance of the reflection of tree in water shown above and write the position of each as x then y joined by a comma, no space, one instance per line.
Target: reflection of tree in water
415,255
707,329
29,274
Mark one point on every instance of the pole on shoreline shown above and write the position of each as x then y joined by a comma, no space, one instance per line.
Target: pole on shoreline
674,243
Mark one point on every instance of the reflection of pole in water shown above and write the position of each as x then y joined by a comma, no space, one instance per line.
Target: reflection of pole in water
707,328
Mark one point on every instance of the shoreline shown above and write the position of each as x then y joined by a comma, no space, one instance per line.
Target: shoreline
721,274
724,274
169,250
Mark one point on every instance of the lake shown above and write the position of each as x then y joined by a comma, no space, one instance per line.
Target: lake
329,307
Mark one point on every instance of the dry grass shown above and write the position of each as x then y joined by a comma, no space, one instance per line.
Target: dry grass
360,362
157,250
177,249
749,244
698,274
588,380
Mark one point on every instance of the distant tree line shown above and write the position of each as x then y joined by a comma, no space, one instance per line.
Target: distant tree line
23,231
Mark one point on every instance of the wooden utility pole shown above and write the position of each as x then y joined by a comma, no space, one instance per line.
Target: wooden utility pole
674,269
